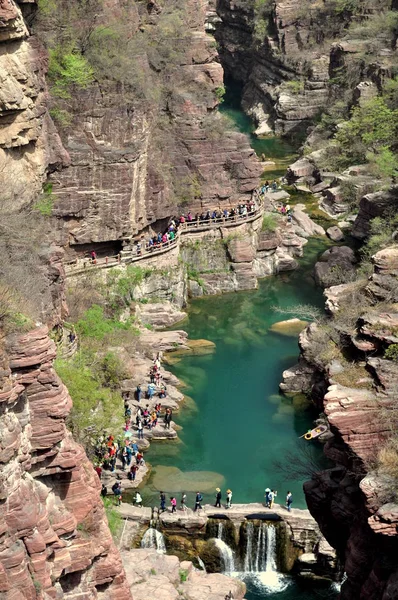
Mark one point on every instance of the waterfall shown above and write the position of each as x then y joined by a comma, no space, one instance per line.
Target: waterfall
227,555
248,562
262,551
270,562
153,538
201,564
256,548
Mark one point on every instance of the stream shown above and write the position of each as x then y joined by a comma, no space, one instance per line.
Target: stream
237,431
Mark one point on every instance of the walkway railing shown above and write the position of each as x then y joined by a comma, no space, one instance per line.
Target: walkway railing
86,264
202,225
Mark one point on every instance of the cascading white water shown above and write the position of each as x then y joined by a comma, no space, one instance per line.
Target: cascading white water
201,564
260,548
261,555
227,555
248,562
260,558
270,561
153,538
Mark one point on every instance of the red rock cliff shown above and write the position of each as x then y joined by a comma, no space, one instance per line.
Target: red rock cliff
355,503
54,538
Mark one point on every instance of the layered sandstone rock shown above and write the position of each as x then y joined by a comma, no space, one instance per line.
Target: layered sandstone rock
357,514
29,142
264,65
374,205
127,161
55,536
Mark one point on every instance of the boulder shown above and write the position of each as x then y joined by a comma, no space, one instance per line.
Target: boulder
333,201
305,223
371,206
335,234
159,314
335,264
290,327
301,168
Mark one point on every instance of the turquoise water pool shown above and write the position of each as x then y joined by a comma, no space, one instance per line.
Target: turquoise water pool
271,148
236,427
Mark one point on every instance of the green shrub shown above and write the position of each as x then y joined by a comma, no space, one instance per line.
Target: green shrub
373,127
68,68
262,12
115,520
392,352
96,408
295,86
380,236
183,573
270,222
111,370
94,324
45,203
383,163
220,93
61,116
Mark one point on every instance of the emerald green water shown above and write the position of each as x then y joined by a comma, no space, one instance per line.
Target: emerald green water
236,429
238,425
273,148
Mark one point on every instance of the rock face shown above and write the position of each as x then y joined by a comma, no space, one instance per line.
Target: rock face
153,575
353,504
265,62
334,265
29,142
124,169
374,205
55,536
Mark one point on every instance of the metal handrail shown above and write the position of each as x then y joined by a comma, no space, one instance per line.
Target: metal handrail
130,256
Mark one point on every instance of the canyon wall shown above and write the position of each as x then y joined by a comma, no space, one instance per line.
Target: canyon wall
266,64
55,541
134,162
355,387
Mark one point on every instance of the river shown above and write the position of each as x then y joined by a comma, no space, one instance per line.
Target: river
237,431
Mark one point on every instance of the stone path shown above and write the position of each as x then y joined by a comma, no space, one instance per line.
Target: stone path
298,519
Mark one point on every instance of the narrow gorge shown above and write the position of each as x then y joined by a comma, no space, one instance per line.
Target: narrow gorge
188,189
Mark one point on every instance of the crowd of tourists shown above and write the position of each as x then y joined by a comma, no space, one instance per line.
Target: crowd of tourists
124,449
162,239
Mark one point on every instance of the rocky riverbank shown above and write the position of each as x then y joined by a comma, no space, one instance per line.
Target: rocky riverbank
344,365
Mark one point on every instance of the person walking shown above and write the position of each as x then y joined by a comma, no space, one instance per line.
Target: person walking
218,498
117,492
133,472
289,500
198,501
138,499
173,503
229,499
162,501
138,393
140,430
266,496
183,502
